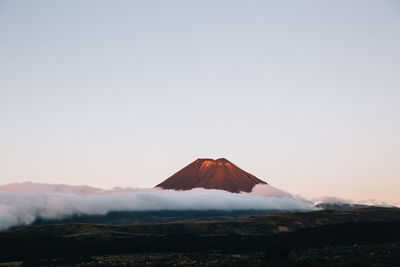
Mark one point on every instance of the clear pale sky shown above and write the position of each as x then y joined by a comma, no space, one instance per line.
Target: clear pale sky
303,94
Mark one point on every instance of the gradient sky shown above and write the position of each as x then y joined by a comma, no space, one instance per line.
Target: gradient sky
303,94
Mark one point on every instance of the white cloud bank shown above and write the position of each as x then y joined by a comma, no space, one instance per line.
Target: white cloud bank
21,204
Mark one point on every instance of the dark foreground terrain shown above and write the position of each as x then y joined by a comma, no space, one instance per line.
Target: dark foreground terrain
362,237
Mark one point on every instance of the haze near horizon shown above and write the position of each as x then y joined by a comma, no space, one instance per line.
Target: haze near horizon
304,95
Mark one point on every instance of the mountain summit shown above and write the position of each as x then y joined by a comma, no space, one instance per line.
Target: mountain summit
212,174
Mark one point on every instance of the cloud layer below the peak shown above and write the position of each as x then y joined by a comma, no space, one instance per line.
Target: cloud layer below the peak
22,204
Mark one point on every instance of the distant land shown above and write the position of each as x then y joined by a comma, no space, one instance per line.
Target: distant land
168,216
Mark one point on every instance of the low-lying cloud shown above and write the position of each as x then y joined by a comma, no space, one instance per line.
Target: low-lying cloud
341,201
21,204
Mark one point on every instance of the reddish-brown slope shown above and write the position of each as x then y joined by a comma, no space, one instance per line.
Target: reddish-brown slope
212,174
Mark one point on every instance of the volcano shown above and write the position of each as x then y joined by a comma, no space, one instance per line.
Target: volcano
212,174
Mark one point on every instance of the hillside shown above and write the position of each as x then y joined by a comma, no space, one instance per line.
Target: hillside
269,237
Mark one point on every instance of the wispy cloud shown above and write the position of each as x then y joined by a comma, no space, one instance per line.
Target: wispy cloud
338,200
